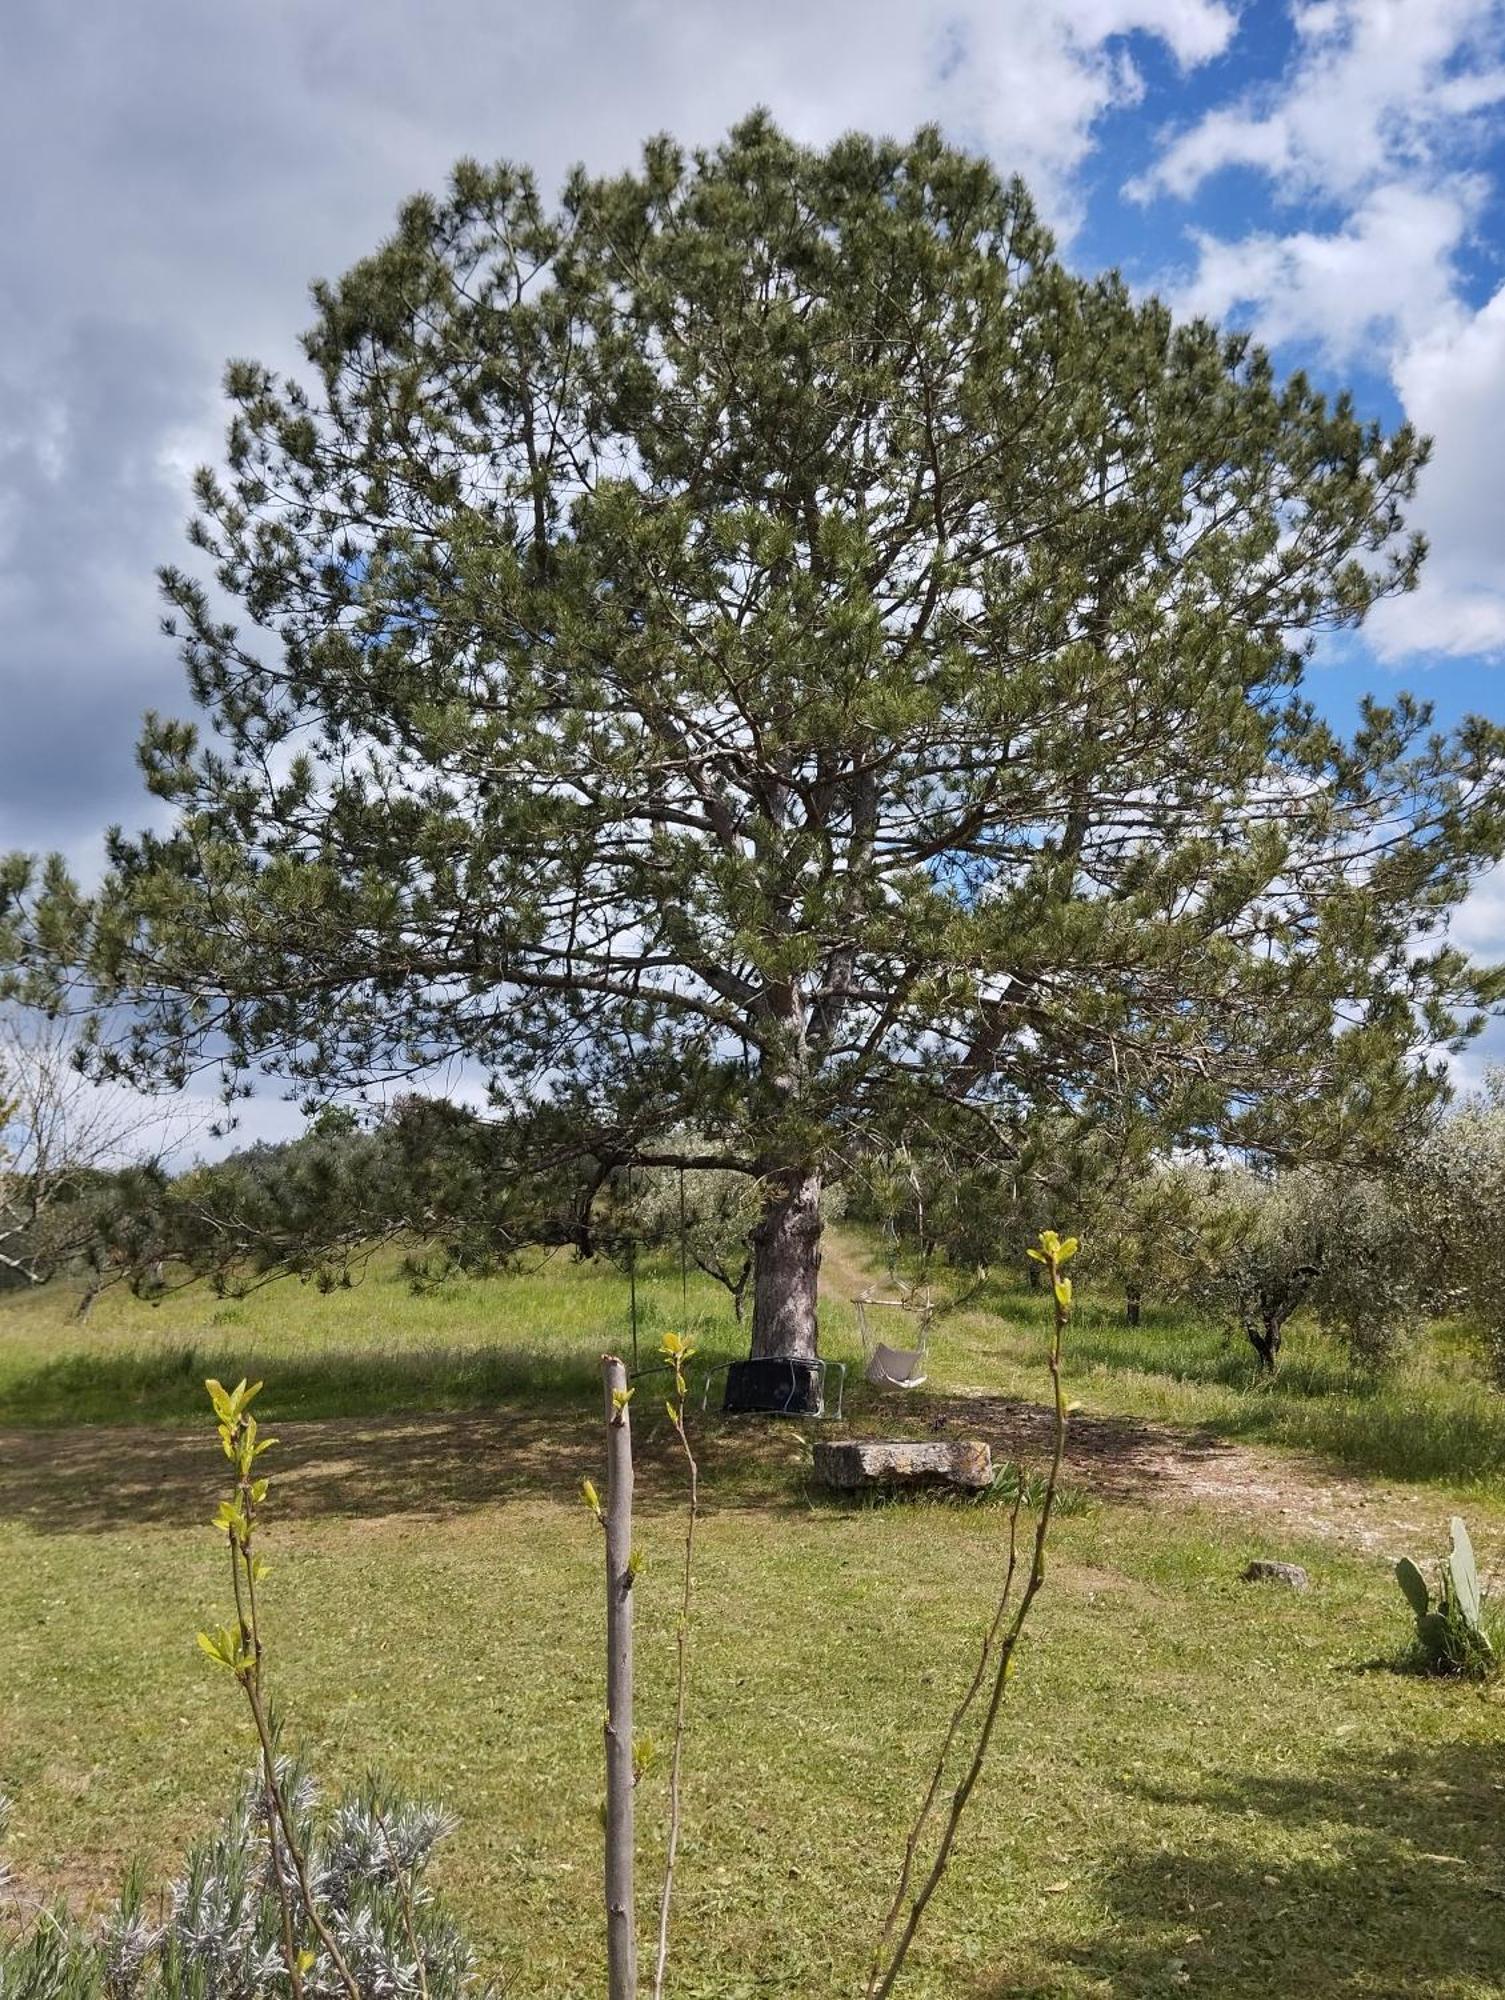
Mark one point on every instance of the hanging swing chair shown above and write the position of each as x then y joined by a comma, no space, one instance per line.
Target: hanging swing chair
888,1367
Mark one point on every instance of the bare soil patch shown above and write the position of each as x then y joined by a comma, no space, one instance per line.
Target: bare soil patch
1137,1460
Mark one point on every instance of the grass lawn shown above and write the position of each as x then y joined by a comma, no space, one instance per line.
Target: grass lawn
1200,1786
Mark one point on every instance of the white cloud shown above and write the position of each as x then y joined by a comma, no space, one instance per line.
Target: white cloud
188,169
1028,83
1386,275
1376,84
1378,120
1452,382
1193,30
1477,926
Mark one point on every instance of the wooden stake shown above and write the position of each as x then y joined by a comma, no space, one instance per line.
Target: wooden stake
621,1927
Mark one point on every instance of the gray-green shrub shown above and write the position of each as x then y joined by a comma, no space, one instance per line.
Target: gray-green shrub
217,1935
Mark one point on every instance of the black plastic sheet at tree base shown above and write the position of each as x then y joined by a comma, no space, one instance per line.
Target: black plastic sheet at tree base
776,1385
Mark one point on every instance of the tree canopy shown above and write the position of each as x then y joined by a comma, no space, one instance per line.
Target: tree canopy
761,648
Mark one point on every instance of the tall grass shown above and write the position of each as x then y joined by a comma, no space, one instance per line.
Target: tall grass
381,1346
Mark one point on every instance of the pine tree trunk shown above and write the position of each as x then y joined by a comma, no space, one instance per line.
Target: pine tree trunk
786,1262
1133,1300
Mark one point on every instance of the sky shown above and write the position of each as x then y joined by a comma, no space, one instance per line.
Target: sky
1330,173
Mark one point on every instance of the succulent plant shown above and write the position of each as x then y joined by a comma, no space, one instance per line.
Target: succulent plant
1463,1574
1451,1633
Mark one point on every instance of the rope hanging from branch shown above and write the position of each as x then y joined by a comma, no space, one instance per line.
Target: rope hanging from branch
684,1264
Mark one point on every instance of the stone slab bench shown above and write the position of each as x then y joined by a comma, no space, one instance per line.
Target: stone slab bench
853,1464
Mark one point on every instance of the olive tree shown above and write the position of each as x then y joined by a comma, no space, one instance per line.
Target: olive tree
1162,1233
1340,1243
705,1215
1456,1183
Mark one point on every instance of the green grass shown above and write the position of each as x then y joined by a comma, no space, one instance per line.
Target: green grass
379,1346
1185,1758
1199,1786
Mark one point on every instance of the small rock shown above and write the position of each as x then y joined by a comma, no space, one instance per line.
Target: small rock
1292,1575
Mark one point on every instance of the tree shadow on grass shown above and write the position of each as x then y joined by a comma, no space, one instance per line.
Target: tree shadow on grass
1365,1878
436,1431
94,1479
535,1434
437,1428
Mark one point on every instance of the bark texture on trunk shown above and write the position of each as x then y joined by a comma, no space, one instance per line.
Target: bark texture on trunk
1265,1340
786,1263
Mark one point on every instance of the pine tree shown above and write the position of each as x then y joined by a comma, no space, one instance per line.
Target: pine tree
764,650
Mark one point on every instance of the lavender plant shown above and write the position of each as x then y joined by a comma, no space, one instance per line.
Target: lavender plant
286,1901
218,1934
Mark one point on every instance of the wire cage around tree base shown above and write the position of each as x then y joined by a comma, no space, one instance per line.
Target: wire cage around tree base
778,1385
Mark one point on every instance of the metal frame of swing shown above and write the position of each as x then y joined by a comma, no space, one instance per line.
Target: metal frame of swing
821,1368
886,1367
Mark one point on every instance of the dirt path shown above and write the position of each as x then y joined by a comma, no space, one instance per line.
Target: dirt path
843,1271
1138,1460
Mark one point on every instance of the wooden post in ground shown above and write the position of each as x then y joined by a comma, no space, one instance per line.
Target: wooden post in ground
621,1927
